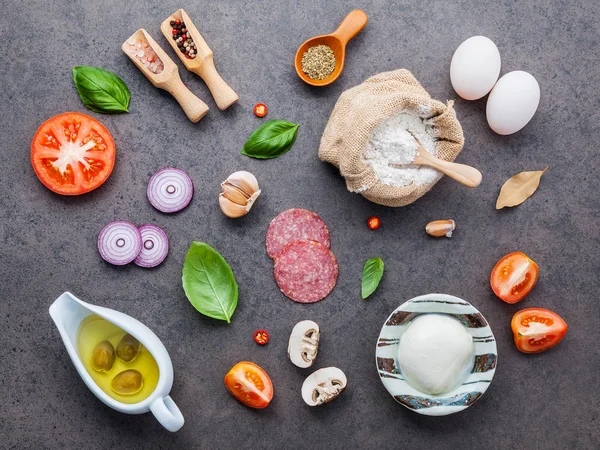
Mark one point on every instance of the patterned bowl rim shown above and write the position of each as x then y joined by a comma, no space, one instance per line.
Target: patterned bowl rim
478,380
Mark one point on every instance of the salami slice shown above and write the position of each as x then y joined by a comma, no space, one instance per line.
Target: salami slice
306,271
295,225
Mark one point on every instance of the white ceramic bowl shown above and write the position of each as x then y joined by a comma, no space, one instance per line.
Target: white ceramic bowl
475,383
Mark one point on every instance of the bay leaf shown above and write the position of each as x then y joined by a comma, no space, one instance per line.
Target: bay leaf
519,188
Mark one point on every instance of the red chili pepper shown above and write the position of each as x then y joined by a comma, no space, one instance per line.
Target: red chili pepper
260,110
374,222
261,337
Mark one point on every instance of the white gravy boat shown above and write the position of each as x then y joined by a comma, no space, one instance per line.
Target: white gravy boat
68,311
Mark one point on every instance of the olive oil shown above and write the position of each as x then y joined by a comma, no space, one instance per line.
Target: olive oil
122,367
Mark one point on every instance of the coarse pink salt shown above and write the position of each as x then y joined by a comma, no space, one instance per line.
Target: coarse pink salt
144,53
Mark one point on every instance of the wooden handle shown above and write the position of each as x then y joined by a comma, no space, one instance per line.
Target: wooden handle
222,93
193,107
466,175
351,25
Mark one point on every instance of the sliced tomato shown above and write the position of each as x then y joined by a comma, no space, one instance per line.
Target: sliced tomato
537,329
514,277
250,384
72,153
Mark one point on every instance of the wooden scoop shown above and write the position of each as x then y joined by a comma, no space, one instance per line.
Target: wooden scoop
350,26
466,175
168,79
203,63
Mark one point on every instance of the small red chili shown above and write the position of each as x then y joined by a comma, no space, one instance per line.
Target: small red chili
260,110
261,337
374,222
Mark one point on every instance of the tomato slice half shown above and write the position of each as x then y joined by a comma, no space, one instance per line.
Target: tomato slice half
250,384
537,329
72,153
513,277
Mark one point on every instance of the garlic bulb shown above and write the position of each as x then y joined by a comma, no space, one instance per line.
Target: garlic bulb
239,192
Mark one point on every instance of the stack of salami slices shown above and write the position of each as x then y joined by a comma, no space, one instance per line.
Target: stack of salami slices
305,269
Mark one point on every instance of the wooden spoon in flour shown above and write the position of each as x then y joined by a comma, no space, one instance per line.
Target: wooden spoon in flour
466,175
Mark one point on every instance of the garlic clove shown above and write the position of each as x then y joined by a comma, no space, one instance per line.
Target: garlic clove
244,181
440,228
231,209
234,194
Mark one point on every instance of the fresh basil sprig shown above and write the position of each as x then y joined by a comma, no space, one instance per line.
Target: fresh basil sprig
270,140
209,283
100,90
371,276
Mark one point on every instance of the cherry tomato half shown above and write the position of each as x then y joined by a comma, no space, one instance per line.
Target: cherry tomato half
250,384
374,222
537,329
72,153
261,337
260,110
513,277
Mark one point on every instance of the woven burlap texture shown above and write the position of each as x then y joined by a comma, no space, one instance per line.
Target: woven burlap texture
363,108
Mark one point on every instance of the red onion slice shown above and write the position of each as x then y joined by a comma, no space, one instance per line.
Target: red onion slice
155,246
119,242
170,190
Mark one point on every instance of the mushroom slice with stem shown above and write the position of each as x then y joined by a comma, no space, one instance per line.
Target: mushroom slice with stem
323,386
304,343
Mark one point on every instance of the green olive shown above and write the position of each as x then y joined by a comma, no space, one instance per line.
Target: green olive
128,348
128,382
103,356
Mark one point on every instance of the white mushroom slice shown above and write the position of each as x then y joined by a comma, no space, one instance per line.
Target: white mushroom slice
323,386
304,343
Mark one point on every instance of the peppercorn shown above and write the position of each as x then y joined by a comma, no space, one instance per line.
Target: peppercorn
179,44
374,222
177,22
174,37
172,22
182,49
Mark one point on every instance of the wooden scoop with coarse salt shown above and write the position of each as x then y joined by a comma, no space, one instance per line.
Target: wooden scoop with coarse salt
202,63
466,175
162,72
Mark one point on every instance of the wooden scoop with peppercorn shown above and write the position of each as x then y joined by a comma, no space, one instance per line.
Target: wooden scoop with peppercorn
162,72
196,56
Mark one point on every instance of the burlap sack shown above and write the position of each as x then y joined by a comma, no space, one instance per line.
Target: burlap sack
363,108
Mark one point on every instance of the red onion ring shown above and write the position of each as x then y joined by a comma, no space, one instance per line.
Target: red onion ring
119,242
170,190
155,246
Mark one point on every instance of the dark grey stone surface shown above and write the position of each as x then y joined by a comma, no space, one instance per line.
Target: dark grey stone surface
48,242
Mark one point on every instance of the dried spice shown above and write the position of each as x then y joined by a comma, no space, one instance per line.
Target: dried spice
519,188
318,62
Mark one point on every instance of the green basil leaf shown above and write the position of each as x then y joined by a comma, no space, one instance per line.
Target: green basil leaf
371,276
100,90
271,139
209,283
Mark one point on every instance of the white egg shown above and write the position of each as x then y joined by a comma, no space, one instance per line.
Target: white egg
475,67
513,102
